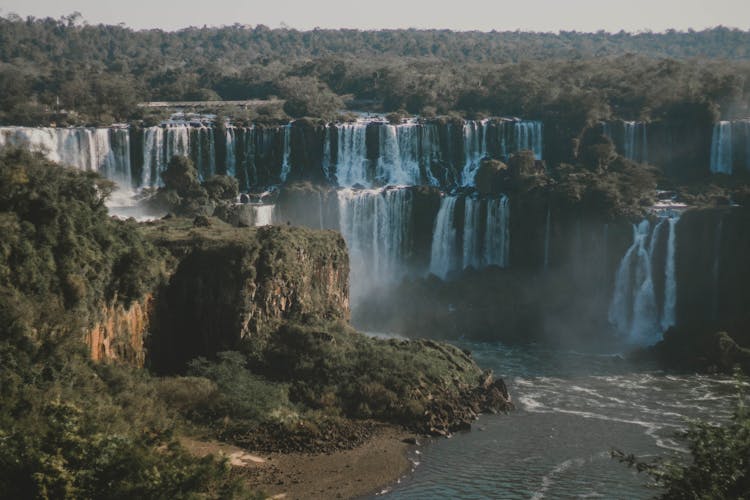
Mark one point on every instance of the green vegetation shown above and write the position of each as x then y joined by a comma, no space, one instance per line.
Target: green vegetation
99,73
718,464
70,428
183,194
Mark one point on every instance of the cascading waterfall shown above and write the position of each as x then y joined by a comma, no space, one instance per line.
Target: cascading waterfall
528,135
483,240
105,150
635,141
443,253
668,316
231,157
287,145
351,160
376,226
327,161
497,233
634,308
263,214
429,141
475,148
410,153
721,148
471,238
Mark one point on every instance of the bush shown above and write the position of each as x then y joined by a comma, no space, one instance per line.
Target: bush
719,465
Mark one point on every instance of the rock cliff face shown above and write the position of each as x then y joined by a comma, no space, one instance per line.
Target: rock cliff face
120,334
230,284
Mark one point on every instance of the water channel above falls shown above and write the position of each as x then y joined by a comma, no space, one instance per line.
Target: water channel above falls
572,409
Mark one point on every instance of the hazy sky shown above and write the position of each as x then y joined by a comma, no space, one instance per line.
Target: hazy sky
536,15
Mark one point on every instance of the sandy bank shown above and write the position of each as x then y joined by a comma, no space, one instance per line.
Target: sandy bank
344,474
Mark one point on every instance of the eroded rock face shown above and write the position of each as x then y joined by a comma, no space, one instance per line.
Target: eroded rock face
244,283
119,335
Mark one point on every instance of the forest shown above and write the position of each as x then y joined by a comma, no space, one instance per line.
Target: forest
65,71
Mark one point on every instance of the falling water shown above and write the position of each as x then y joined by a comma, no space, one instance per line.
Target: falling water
231,157
376,226
471,238
670,278
351,163
105,150
475,148
483,240
497,233
287,145
263,214
634,310
721,148
443,253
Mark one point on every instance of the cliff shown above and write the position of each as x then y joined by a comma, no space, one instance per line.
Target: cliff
119,336
229,284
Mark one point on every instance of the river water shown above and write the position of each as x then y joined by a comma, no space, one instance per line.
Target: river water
572,409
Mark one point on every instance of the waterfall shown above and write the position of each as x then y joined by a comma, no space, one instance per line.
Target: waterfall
231,156
376,226
483,240
634,310
327,162
721,148
263,214
430,153
388,168
104,150
497,233
668,316
408,139
443,253
471,242
475,148
287,145
351,160
528,135
746,139
635,141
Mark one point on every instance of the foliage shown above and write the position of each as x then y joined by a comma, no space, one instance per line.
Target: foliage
55,70
335,369
59,246
70,428
718,465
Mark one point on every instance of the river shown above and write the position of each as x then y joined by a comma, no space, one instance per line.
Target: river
572,408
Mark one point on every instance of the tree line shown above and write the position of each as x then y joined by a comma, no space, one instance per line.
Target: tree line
65,71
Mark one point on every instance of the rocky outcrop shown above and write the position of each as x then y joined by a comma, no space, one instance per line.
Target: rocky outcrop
120,333
230,284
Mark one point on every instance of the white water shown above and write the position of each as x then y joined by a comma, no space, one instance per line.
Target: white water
634,308
351,160
635,142
231,158
287,145
571,410
497,233
263,214
105,150
483,241
721,148
376,224
443,252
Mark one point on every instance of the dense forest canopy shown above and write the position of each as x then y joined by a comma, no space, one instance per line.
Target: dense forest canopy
102,72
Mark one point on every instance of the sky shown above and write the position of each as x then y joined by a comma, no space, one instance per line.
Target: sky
485,15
